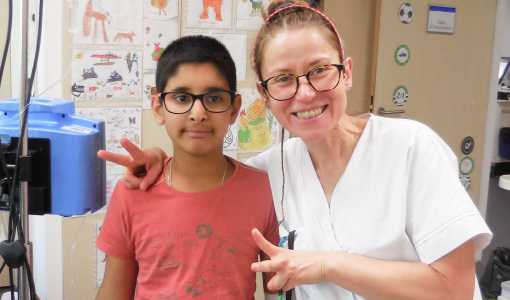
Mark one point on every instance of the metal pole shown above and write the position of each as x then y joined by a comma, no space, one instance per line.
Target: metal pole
23,279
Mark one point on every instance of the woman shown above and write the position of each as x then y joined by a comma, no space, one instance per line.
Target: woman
375,204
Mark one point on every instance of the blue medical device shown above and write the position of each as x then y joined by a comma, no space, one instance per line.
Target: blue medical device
67,177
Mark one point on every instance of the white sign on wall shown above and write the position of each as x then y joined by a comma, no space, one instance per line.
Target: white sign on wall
441,19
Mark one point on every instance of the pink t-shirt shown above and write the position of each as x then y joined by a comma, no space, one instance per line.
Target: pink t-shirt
192,245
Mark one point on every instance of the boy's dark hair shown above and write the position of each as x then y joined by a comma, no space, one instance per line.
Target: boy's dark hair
195,49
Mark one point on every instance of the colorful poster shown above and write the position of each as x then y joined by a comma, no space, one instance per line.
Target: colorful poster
106,75
236,45
249,14
107,22
160,9
210,14
157,35
258,129
119,123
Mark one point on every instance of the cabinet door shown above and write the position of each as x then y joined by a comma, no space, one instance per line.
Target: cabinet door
445,81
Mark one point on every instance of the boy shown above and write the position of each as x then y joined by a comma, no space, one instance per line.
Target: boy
188,237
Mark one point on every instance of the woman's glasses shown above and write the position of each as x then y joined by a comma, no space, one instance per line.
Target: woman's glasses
321,78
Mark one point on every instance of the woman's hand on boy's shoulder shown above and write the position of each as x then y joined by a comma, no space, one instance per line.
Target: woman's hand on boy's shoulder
143,167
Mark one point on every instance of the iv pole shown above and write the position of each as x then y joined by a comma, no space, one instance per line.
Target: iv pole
23,278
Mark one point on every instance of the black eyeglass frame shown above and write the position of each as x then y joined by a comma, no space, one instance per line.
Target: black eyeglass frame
200,97
340,67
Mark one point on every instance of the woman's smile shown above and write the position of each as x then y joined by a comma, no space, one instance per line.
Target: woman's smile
310,113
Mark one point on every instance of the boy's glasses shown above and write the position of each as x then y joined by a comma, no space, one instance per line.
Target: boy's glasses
321,78
216,101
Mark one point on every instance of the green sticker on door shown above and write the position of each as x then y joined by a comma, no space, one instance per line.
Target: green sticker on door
402,55
400,95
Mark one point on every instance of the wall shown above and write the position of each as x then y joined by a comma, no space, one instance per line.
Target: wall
5,88
355,22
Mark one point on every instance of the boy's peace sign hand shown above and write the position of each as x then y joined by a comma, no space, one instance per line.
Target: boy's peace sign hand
143,166
291,267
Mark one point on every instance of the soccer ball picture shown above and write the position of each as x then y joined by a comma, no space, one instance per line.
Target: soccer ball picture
406,13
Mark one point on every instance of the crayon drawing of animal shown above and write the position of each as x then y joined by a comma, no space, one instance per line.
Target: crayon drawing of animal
124,35
90,15
160,5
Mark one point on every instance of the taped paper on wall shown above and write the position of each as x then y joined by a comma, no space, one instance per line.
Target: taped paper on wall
249,14
236,45
106,75
157,35
120,123
160,9
210,14
258,129
107,22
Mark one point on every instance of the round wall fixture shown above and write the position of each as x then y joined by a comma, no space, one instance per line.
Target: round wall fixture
402,55
400,95
406,13
468,144
466,165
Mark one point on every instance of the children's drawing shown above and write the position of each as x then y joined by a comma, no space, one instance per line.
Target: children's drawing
257,127
161,9
230,142
209,13
157,35
107,22
249,14
216,7
128,36
119,123
95,16
236,45
106,75
149,81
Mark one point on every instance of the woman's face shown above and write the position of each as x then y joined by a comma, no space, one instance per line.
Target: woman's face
309,114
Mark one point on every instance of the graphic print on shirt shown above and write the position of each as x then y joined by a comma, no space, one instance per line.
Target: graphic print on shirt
201,256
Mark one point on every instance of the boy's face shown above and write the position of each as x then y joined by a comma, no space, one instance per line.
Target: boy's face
197,132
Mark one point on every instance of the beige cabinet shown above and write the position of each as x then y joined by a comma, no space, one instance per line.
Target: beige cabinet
446,77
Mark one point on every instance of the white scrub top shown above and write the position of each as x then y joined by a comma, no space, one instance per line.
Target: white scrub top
399,198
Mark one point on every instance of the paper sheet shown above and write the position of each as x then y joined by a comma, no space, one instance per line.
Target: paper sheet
149,81
210,14
119,123
249,14
257,127
160,9
157,35
106,74
107,22
236,44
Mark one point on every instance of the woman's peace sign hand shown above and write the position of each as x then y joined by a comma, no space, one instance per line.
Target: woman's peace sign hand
291,267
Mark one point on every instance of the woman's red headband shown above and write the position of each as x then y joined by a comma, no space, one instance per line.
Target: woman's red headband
328,20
